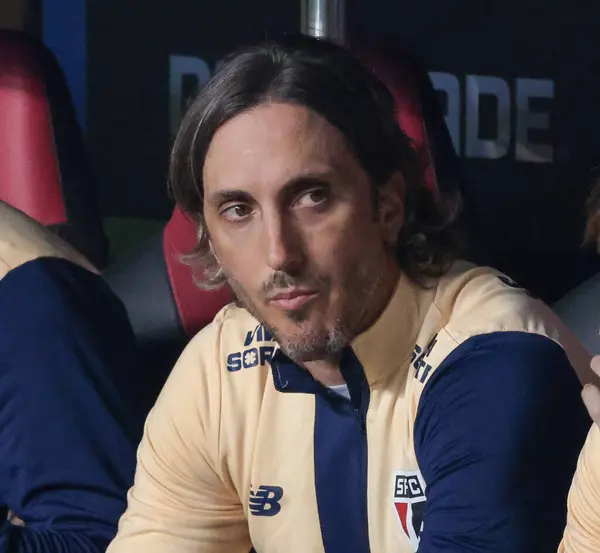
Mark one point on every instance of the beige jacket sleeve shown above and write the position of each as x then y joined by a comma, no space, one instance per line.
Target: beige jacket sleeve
582,534
22,239
181,501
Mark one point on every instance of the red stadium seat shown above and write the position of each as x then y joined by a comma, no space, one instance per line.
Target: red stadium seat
405,82
165,305
44,169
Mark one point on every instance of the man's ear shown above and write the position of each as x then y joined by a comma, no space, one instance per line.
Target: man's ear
391,201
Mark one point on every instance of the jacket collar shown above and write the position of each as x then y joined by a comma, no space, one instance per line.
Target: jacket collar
385,347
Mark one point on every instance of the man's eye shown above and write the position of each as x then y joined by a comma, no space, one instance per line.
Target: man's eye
313,198
236,213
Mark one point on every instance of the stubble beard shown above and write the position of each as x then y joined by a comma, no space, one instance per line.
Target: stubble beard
359,291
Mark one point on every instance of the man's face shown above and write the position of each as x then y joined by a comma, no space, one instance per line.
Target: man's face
291,219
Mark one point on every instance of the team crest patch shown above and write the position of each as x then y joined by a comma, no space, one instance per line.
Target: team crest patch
409,502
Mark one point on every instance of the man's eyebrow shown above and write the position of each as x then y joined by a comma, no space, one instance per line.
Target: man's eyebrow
303,182
224,196
292,187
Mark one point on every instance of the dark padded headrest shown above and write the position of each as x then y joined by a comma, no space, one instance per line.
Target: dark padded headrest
44,170
164,303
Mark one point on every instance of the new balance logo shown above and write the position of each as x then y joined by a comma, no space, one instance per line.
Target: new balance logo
265,502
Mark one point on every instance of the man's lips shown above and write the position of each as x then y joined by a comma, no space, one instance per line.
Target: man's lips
292,298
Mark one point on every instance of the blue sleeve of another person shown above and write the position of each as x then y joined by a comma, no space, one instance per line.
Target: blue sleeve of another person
498,432
71,409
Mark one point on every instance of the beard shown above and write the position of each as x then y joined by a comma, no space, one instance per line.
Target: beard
357,292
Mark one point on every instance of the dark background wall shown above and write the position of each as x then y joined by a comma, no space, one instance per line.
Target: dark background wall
539,39
128,76
519,79
129,45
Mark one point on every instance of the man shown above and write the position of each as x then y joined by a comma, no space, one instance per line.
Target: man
371,394
582,533
578,309
72,402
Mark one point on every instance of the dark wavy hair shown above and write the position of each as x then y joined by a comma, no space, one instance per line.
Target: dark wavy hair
330,81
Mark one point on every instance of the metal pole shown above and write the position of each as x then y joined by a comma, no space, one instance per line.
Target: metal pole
324,19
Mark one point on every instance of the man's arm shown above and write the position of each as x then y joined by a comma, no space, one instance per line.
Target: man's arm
591,393
183,500
71,408
582,534
498,432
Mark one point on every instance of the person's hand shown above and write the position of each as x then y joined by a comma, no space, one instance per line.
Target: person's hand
591,394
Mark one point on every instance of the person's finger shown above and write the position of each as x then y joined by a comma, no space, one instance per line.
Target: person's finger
591,398
595,364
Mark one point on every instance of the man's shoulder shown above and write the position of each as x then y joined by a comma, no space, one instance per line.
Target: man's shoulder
479,304
223,372
22,240
479,300
582,532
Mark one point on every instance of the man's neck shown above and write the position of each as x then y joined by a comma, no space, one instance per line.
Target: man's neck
327,371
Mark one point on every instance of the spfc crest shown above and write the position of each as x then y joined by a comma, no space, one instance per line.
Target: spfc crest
409,502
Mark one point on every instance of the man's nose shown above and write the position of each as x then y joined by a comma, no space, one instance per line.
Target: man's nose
283,244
